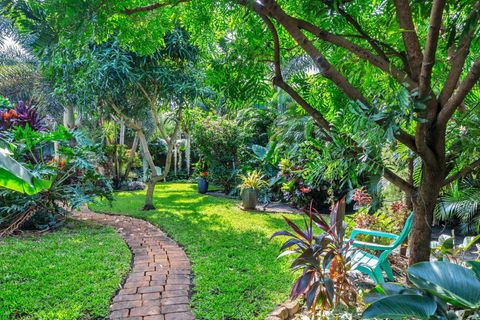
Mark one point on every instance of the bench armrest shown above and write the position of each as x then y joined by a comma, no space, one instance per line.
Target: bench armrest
374,233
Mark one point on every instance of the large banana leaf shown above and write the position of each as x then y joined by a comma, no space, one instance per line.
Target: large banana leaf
400,306
452,283
16,177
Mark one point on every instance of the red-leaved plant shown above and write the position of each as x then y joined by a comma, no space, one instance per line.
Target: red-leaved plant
323,259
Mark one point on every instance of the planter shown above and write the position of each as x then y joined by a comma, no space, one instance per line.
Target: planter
249,199
202,186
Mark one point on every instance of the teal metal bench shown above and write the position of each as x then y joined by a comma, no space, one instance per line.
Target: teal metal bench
370,264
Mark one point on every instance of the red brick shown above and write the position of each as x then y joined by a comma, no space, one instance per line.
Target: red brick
145,311
127,297
179,316
125,305
175,300
119,314
151,296
174,293
175,308
150,289
157,317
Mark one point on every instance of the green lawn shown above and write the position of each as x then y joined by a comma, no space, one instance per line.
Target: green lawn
68,274
236,274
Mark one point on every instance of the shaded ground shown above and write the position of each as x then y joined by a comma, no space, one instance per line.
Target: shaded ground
68,274
236,274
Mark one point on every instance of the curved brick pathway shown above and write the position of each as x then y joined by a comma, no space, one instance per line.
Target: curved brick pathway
158,286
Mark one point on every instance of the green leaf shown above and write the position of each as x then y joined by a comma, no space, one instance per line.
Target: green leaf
400,306
453,283
16,177
260,152
475,267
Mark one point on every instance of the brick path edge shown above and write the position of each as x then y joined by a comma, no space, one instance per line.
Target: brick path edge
159,284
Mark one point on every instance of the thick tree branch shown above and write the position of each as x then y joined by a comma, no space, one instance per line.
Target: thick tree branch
398,181
152,104
326,69
316,115
457,98
378,61
131,123
279,81
431,47
462,173
425,90
409,35
152,7
457,60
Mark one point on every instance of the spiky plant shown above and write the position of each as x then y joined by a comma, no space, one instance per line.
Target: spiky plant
254,180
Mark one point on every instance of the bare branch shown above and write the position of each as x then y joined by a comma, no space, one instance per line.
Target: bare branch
457,98
378,61
425,82
278,80
410,38
131,123
152,104
431,47
316,115
398,181
457,60
462,173
152,7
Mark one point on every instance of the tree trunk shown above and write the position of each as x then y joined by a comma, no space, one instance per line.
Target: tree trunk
69,117
155,179
424,201
130,157
188,154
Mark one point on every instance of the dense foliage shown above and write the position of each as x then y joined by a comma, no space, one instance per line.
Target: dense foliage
65,159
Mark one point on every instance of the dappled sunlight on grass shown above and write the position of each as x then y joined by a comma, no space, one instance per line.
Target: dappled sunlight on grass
234,261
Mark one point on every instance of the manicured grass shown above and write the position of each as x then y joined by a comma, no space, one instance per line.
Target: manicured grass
68,274
234,262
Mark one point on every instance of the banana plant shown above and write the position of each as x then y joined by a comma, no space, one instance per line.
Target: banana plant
16,177
441,290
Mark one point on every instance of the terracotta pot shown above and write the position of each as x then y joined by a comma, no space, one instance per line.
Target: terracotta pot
202,186
249,199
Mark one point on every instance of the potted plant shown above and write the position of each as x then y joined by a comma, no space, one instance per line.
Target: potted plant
202,171
251,184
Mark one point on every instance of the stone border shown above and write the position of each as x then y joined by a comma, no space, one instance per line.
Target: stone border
159,285
285,311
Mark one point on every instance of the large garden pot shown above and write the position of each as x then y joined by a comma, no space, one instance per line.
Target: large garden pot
249,199
202,186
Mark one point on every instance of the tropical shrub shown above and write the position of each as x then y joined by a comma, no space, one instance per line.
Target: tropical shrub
70,170
323,259
217,140
21,115
300,192
391,220
440,290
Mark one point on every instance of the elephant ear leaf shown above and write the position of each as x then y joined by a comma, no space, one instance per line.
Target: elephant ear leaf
400,306
450,282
